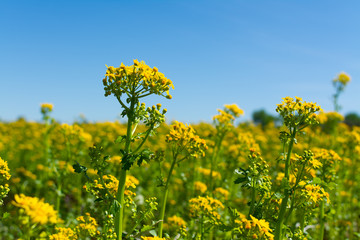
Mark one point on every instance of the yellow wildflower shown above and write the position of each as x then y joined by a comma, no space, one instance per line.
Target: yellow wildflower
200,187
185,139
46,107
205,206
63,234
38,211
342,78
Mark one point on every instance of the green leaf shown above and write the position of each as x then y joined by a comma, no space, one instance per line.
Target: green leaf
332,185
317,180
79,168
153,232
240,180
115,207
120,139
5,215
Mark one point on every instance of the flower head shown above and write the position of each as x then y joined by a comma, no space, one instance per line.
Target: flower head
342,78
184,137
298,113
46,108
38,211
138,78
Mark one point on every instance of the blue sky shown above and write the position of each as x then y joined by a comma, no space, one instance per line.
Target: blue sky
252,53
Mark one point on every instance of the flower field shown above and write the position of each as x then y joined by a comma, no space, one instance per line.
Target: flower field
145,179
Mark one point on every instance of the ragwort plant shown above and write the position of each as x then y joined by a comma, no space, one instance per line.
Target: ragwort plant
184,144
339,83
129,84
224,123
297,115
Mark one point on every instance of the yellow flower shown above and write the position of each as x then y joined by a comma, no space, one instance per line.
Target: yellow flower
46,107
234,110
4,171
342,78
176,221
185,139
298,113
26,173
38,211
63,234
152,238
200,187
205,206
206,172
315,193
221,192
87,225
139,76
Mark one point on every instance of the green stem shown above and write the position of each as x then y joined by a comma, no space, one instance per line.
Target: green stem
302,220
202,228
279,223
253,198
120,198
322,221
119,216
213,161
146,136
58,197
163,204
138,222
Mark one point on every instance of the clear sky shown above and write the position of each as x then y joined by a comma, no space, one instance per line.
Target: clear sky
252,53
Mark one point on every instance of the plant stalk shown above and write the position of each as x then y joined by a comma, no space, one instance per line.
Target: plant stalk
163,204
278,229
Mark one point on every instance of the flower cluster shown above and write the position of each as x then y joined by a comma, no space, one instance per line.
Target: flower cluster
207,207
253,228
152,238
4,177
257,165
342,78
225,119
63,233
138,78
200,187
154,117
313,194
38,211
304,166
221,193
185,139
176,225
109,184
75,131
176,221
87,226
330,117
328,158
46,108
234,110
298,113
206,172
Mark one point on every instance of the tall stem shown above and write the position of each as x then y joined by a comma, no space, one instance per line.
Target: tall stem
278,229
119,217
163,203
202,227
302,220
213,160
322,221
253,198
